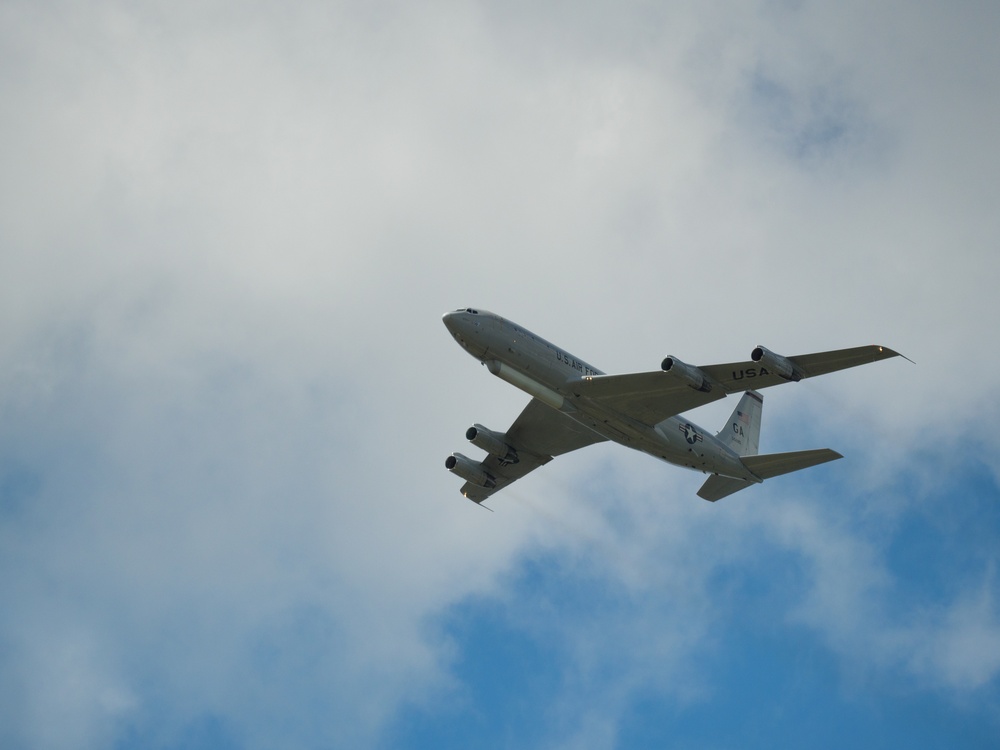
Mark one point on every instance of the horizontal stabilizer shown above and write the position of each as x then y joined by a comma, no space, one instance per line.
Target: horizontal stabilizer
716,487
769,465
775,464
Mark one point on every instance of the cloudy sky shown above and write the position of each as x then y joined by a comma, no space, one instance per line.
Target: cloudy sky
228,231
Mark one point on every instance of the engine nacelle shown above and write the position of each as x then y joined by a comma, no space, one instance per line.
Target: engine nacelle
776,363
469,470
491,442
688,373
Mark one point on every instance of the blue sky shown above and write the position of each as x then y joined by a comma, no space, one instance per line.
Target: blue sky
227,237
762,678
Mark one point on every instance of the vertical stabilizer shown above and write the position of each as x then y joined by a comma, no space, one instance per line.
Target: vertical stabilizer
742,432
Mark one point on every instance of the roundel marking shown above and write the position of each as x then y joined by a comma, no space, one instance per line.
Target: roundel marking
690,433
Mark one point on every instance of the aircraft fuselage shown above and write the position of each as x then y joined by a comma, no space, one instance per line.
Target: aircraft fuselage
548,373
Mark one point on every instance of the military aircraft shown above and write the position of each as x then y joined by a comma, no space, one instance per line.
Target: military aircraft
574,405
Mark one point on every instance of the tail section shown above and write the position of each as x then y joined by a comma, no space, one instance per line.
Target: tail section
765,466
742,433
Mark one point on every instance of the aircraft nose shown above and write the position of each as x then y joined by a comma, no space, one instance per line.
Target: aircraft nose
455,323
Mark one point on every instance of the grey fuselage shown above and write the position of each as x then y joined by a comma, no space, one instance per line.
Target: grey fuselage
549,373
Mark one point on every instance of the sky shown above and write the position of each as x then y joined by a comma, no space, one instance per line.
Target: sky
228,232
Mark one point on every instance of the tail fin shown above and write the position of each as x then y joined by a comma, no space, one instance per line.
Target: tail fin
742,433
766,466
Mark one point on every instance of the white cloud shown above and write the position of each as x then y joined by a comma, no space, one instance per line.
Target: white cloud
963,649
228,235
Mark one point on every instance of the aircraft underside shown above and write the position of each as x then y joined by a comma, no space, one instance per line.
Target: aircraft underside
574,405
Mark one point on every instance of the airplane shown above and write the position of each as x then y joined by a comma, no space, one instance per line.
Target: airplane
573,405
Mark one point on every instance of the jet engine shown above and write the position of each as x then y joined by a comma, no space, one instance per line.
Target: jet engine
688,373
469,470
776,363
491,442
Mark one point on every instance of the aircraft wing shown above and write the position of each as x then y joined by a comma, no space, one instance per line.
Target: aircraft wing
648,397
538,435
651,397
739,376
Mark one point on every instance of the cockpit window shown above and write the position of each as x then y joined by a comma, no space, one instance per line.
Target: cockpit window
470,310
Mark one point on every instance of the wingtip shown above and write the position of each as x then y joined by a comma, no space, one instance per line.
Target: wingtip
885,350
